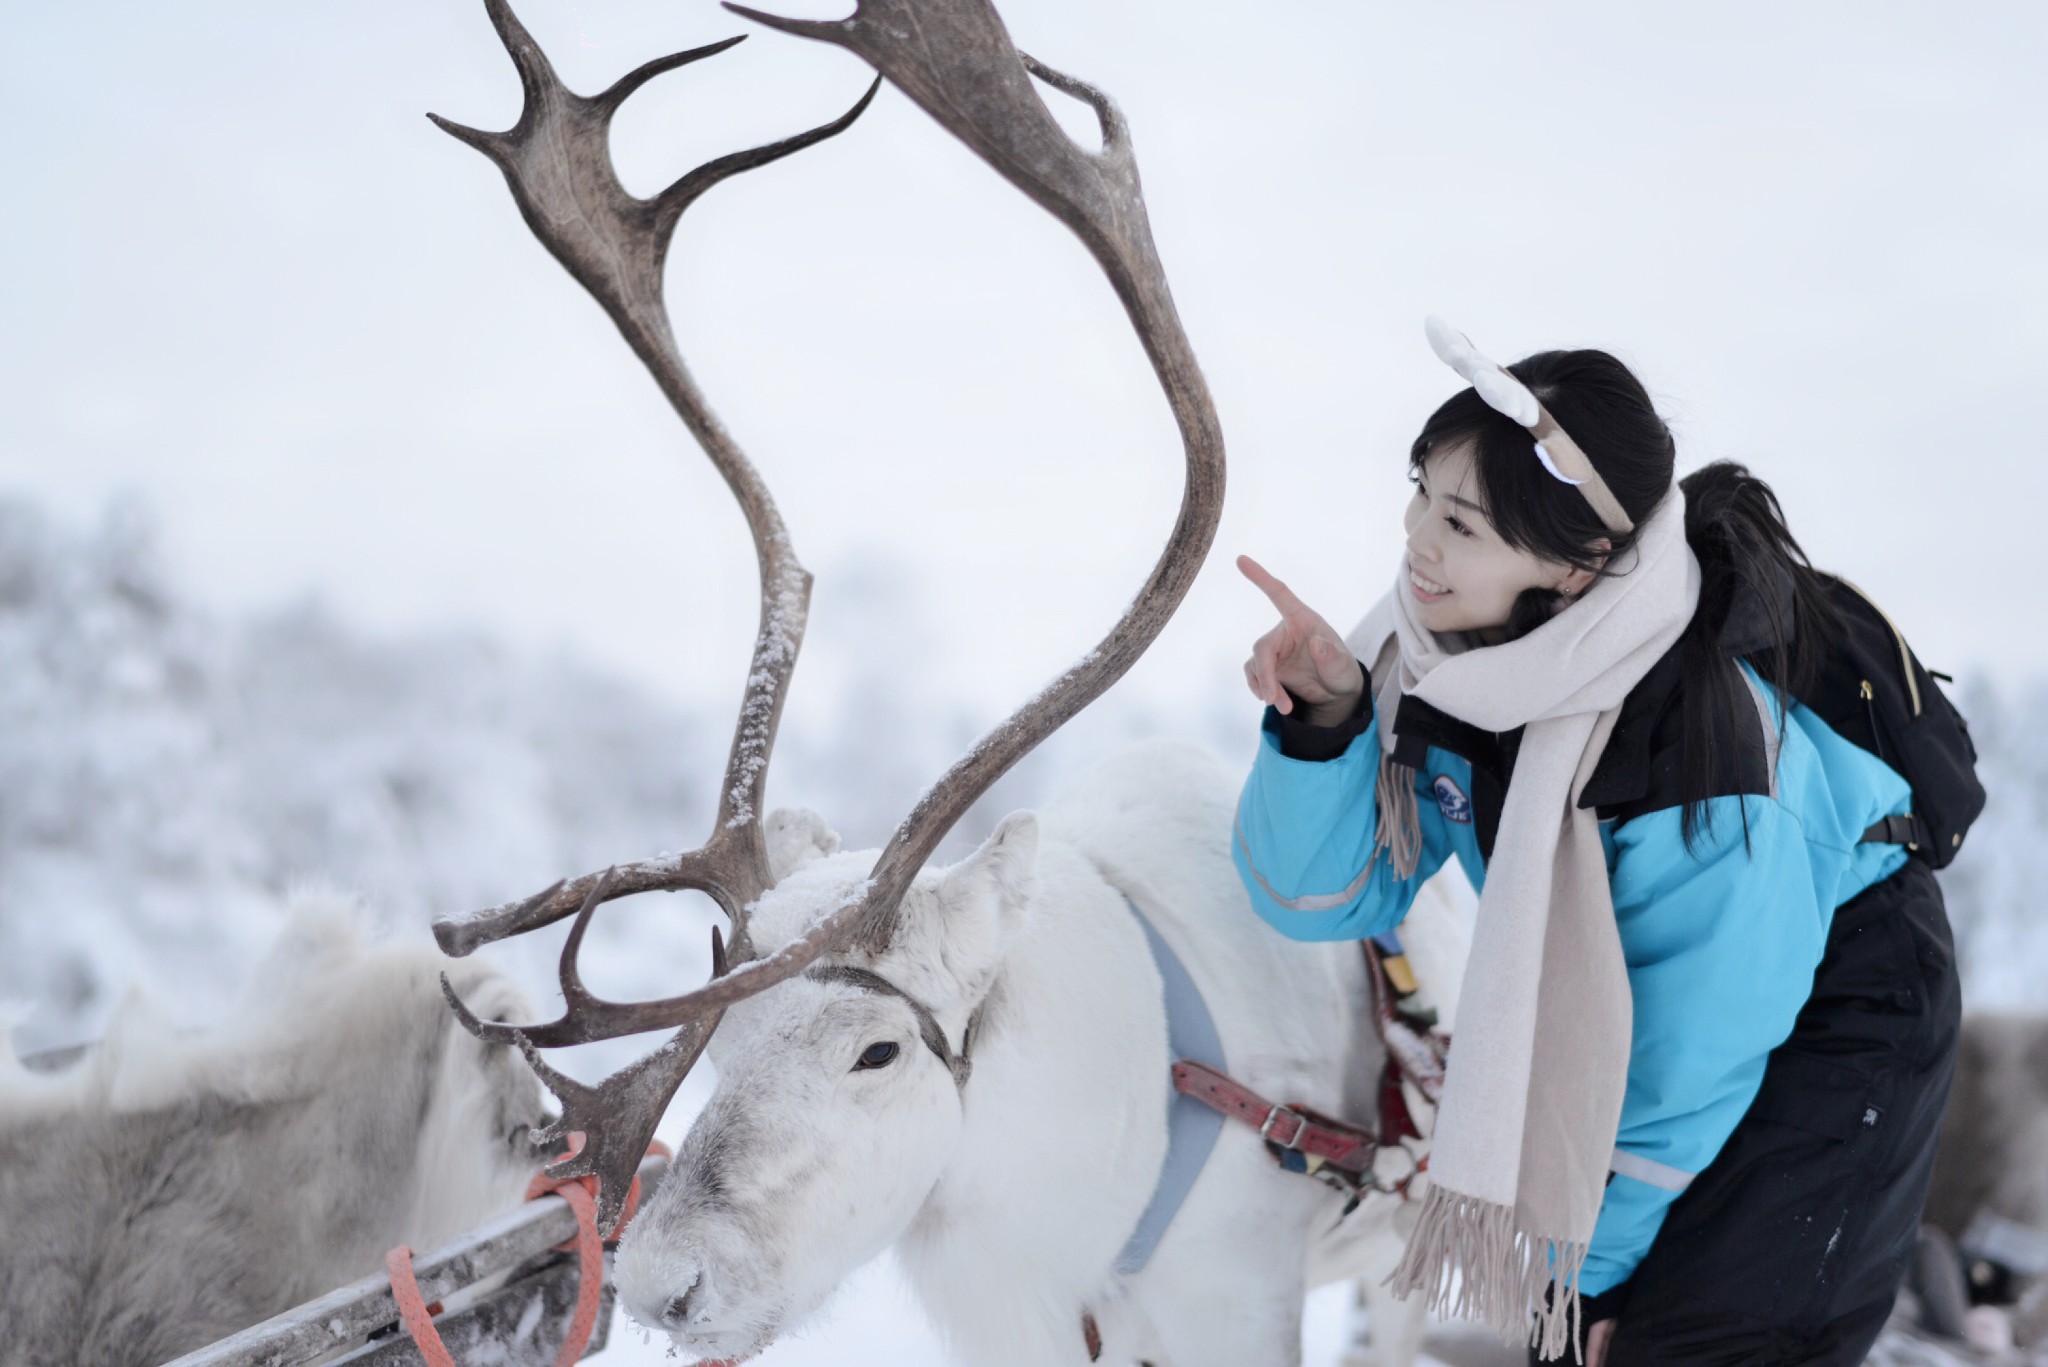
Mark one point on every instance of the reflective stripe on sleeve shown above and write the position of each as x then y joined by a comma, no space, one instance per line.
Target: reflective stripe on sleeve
1327,901
1648,1171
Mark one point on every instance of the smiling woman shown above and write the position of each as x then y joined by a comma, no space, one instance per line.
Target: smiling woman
1683,1065
1465,575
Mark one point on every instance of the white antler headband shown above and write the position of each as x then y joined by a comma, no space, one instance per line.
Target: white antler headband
1504,393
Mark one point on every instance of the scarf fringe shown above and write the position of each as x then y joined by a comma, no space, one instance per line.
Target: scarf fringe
1400,832
1475,1265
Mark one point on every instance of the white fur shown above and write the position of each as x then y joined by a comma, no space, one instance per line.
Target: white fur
171,1188
1009,1202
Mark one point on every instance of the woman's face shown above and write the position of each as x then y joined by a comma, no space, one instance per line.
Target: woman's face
1459,574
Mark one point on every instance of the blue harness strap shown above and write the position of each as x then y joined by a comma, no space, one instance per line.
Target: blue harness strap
1191,1127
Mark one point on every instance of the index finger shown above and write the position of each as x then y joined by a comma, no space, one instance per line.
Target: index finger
1282,597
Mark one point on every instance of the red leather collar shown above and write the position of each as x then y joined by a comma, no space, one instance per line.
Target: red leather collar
1291,1127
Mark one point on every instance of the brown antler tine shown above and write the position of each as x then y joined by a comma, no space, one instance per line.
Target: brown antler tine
686,189
536,73
617,1118
700,870
587,1018
574,993
490,1032
1116,132
492,145
615,94
828,30
458,938
585,1015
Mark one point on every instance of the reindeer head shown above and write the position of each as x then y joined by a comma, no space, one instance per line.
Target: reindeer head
840,928
838,1103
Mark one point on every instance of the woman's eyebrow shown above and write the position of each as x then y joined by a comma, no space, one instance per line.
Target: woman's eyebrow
1477,508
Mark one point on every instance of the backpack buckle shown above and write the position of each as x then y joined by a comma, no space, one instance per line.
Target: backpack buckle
1908,830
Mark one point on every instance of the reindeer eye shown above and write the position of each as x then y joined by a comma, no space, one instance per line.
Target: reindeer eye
880,1054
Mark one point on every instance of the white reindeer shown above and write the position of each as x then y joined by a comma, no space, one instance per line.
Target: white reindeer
836,1132
973,1062
169,1189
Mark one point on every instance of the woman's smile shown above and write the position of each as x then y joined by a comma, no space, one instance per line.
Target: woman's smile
1426,590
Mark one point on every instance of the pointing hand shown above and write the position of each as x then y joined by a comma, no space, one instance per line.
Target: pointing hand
1303,656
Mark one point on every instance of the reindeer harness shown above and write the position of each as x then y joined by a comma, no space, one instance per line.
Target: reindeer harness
1345,1156
1301,1140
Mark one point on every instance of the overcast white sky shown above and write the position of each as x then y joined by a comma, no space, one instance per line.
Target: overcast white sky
246,278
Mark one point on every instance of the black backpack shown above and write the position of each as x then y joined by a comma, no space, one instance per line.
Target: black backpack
1874,692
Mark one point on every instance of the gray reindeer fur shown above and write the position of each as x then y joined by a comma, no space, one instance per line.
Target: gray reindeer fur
171,1189
1994,1139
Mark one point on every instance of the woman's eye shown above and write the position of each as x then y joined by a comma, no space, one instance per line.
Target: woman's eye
1460,528
880,1054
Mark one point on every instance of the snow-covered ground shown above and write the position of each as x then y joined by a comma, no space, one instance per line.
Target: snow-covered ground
167,775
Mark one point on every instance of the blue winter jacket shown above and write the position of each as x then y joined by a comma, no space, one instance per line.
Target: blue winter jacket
1721,941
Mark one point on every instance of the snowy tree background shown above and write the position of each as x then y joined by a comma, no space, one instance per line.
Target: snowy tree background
172,775
341,541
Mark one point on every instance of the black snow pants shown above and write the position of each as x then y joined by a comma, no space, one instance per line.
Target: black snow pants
1790,1247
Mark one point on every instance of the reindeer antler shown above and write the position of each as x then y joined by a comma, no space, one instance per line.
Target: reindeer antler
557,161
956,60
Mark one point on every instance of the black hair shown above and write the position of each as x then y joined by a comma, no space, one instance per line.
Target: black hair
1748,557
1749,560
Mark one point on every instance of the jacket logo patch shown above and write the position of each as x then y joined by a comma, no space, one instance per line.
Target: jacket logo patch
1454,804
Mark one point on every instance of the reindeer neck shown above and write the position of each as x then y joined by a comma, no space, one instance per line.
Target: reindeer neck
1064,1122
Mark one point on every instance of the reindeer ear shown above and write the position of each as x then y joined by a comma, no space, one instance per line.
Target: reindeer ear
982,901
796,836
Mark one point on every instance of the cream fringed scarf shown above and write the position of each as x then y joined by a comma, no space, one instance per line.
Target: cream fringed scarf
1533,1096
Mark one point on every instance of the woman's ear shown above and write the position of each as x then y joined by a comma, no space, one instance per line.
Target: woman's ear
1576,581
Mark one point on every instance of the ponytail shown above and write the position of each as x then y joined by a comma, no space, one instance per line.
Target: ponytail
1760,597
